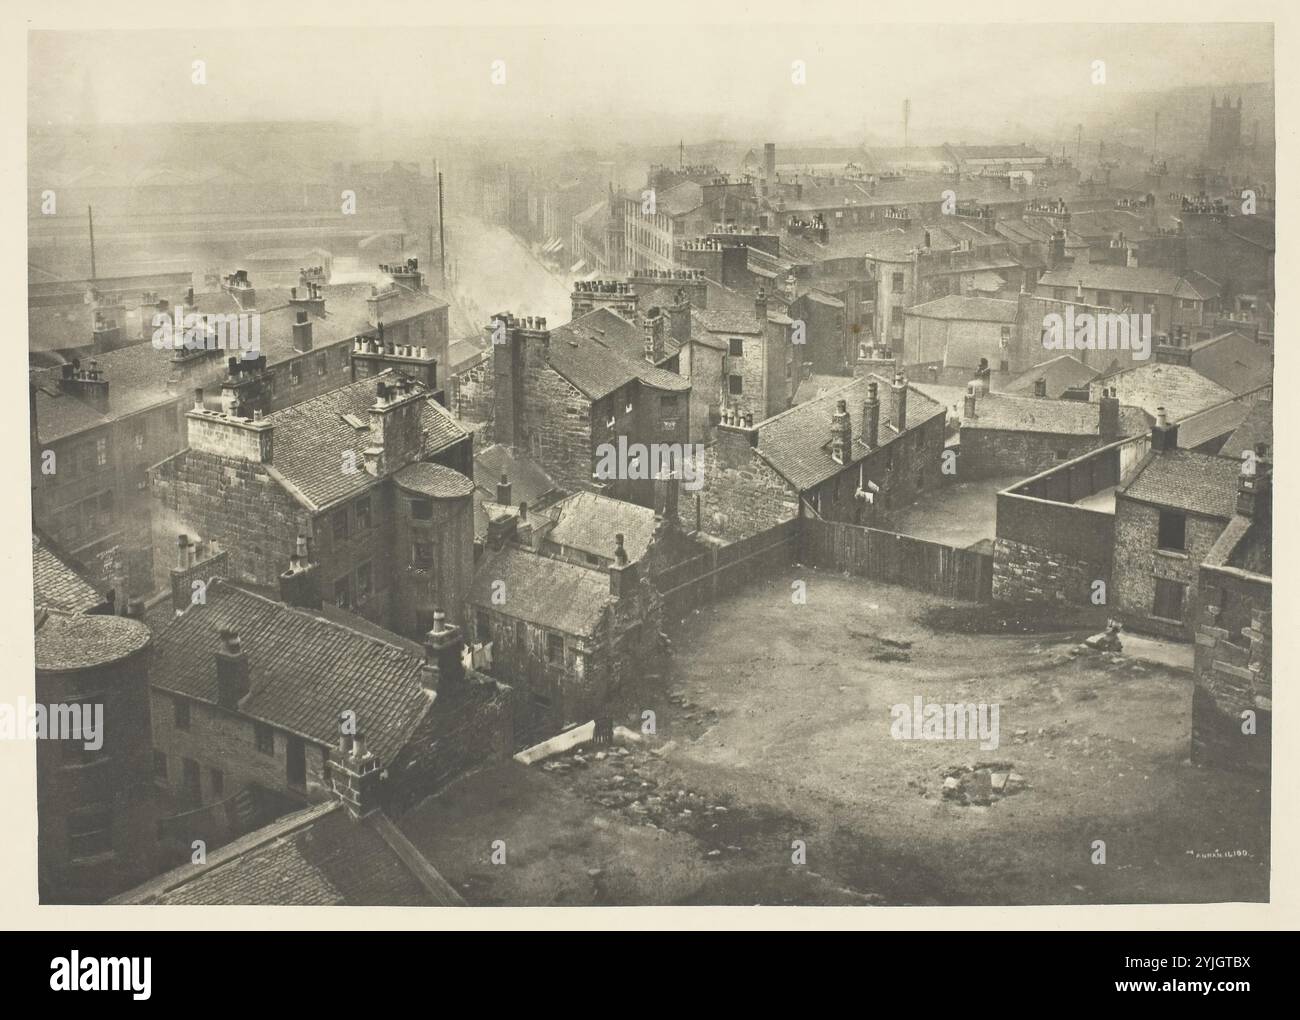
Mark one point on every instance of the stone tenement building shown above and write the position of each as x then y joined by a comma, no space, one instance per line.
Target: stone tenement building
97,425
567,635
96,812
252,696
560,396
375,473
848,455
1169,514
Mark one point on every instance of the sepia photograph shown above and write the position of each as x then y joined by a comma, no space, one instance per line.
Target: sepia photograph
633,462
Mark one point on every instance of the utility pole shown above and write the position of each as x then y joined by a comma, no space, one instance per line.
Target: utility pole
90,215
1155,136
1078,146
907,114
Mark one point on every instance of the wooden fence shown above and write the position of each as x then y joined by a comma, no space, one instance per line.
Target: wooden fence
718,572
897,559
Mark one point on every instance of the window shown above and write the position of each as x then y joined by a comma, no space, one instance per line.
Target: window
422,554
339,523
345,355
160,765
555,649
363,581
1006,335
138,438
1103,297
668,404
1169,599
264,738
735,385
736,347
897,283
295,373
218,783
190,781
1173,531
101,451
482,627
422,509
90,833
181,713
343,592
322,363
363,513
1062,454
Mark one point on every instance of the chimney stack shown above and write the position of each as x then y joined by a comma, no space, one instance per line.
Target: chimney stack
301,332
968,404
871,417
300,583
622,574
444,669
760,308
1108,416
233,672
898,402
1255,484
355,775
841,433
503,490
1164,436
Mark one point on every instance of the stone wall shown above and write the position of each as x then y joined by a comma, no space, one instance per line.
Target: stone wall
236,502
221,739
1027,573
1233,676
1138,564
988,453
741,493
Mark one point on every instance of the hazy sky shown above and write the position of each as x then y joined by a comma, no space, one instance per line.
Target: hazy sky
656,80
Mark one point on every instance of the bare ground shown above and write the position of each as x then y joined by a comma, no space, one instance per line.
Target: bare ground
773,726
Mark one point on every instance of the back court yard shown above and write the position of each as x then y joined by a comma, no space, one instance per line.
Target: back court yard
773,776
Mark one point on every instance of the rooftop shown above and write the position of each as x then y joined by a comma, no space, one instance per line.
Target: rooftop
66,641
1131,280
600,352
797,442
311,437
546,592
1185,480
319,856
57,585
304,669
1180,390
1008,413
977,309
1060,373
588,522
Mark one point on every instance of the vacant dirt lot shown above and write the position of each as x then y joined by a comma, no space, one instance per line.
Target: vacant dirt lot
773,726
